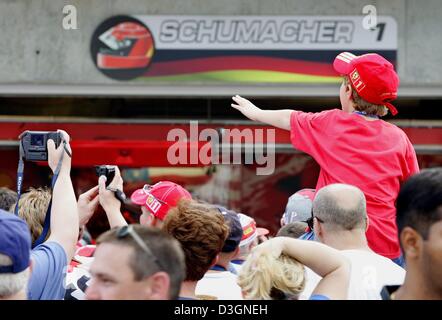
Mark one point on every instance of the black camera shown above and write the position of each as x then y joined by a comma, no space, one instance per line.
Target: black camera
34,144
107,171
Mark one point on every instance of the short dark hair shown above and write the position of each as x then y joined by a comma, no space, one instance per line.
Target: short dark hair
163,246
292,230
7,198
329,206
419,203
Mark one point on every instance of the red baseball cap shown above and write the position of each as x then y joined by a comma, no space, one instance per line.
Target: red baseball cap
160,197
371,75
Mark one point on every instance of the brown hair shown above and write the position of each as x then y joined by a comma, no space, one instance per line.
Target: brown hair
201,230
365,106
293,230
8,198
163,246
32,208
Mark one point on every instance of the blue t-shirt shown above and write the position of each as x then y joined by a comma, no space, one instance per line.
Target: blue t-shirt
49,263
319,297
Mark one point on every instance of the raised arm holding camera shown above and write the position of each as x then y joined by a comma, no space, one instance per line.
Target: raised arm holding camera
108,198
50,254
64,216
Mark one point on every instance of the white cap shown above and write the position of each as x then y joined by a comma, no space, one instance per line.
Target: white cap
248,225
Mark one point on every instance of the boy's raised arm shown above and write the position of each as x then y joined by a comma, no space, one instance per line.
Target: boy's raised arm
276,118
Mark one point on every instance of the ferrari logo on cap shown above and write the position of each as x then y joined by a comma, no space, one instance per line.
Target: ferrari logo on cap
355,75
356,80
153,204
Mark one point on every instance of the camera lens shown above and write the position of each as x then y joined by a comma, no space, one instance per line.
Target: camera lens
37,140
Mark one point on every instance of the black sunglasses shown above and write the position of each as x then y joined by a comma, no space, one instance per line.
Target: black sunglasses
310,221
124,231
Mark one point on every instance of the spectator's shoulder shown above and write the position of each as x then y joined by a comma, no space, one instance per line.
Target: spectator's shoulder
49,249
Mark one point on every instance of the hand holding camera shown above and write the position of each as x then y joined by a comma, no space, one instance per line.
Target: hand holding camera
56,148
46,146
110,183
107,171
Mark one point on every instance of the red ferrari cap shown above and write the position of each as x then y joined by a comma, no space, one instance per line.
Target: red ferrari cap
371,75
160,197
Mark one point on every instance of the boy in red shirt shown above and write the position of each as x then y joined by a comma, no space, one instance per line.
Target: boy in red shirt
353,145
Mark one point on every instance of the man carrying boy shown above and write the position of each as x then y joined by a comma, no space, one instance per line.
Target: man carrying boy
353,145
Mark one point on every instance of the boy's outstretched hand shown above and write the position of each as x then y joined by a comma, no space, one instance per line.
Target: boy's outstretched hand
246,107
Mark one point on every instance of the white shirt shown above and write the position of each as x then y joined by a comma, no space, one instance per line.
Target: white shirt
221,284
237,267
369,273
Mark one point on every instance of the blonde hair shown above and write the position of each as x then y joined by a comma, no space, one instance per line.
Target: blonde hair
365,106
267,278
32,208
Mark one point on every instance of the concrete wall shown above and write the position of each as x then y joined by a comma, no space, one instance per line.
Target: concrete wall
34,48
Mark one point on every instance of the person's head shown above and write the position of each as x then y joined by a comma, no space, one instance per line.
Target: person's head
201,230
231,245
370,83
293,230
419,221
7,198
32,207
136,262
157,200
299,207
339,210
15,251
270,278
249,238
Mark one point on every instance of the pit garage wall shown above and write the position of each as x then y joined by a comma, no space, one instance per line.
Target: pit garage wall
37,50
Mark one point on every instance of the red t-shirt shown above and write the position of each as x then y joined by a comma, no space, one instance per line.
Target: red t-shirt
375,156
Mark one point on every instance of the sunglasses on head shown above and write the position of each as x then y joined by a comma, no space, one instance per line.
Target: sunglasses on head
310,221
128,230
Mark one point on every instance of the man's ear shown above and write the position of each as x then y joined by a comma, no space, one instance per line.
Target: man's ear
411,242
317,229
214,261
349,91
235,253
152,220
157,286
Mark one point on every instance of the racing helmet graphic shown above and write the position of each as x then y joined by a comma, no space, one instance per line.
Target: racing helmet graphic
129,45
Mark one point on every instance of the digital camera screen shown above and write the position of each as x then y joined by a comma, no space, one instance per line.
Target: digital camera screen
37,140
